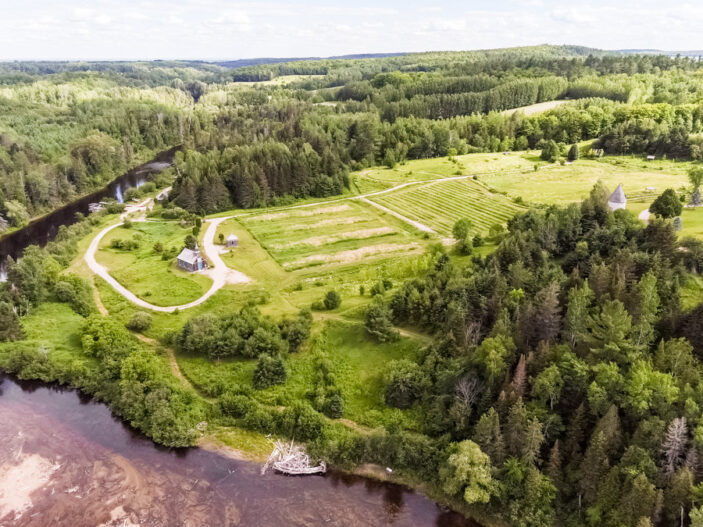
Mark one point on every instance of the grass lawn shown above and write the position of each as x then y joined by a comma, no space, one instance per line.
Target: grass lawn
143,271
249,257
359,368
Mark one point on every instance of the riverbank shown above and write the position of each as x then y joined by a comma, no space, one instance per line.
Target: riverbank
96,471
43,229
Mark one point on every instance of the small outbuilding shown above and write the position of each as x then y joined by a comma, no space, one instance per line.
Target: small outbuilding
232,241
191,260
617,199
651,158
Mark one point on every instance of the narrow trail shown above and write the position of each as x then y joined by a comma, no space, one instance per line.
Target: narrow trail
173,363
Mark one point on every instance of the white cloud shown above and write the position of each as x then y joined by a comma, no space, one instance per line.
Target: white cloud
222,29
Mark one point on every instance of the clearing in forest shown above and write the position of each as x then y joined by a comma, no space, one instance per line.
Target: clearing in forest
439,205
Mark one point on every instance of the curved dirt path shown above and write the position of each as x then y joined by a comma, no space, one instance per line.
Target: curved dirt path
219,272
644,215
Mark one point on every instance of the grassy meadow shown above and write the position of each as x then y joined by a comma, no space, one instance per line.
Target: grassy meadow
144,272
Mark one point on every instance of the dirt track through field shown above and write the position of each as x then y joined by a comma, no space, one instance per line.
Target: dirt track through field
219,272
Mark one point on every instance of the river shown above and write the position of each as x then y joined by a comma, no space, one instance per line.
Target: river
67,461
43,229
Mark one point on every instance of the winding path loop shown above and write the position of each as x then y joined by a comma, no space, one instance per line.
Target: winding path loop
220,273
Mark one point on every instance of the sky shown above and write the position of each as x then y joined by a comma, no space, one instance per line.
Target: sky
223,29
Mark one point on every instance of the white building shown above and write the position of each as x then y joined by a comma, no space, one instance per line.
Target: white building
617,199
232,240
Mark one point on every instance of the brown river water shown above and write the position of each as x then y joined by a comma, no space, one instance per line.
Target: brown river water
65,460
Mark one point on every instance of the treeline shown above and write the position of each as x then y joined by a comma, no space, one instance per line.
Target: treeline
440,105
567,378
260,155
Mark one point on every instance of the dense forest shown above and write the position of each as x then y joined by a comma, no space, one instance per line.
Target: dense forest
563,380
67,128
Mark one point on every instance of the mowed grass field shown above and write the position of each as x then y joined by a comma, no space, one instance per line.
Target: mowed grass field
143,271
332,234
439,205
380,178
557,184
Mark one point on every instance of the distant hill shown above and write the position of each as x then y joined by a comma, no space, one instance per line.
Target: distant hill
241,63
689,53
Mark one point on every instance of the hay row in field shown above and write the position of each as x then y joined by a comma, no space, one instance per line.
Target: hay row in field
440,205
317,241
299,213
332,222
354,255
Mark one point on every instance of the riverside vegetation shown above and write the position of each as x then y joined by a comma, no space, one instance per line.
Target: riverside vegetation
545,370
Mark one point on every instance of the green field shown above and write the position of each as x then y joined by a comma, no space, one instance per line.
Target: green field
568,183
440,205
334,234
359,368
143,271
379,178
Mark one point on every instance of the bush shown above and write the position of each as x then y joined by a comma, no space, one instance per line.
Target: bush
405,381
127,224
332,300
550,152
301,422
115,208
269,370
77,293
464,247
667,205
236,405
259,419
573,153
377,322
140,321
132,193
378,288
10,327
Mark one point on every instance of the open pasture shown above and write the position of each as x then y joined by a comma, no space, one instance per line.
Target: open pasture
144,272
330,234
557,184
379,178
439,205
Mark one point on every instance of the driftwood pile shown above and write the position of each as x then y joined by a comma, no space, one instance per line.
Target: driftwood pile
291,459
